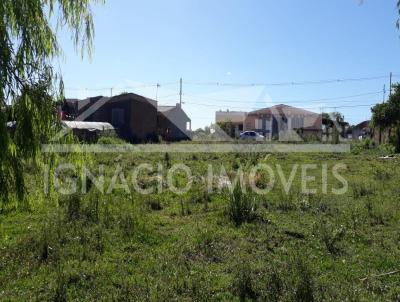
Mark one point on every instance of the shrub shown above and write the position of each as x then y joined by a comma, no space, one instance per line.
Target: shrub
155,205
72,204
200,195
60,294
167,160
321,204
361,189
304,285
386,148
241,207
331,236
304,204
367,144
185,208
287,202
110,140
275,286
242,285
381,174
44,245
91,211
376,212
128,223
207,245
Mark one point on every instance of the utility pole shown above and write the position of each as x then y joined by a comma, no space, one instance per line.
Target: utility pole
180,92
384,93
390,83
111,91
158,86
383,101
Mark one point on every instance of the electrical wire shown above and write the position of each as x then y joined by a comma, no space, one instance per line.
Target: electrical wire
122,88
288,101
309,108
287,83
290,83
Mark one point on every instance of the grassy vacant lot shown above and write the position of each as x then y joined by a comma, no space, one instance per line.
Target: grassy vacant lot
208,246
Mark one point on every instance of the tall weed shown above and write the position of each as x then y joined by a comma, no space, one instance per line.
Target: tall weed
242,206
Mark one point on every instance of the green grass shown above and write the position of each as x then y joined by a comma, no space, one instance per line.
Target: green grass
203,246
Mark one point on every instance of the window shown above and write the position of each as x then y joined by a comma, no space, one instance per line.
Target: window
268,124
258,124
297,122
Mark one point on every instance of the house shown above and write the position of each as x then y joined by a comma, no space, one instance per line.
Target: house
133,116
365,130
285,123
173,124
73,109
361,130
335,128
232,122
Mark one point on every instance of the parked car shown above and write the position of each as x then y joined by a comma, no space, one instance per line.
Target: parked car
251,136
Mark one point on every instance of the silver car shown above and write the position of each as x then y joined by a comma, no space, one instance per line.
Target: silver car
251,136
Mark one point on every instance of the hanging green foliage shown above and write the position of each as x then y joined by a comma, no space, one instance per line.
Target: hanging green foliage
29,86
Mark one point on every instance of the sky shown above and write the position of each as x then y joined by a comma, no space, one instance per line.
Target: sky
220,48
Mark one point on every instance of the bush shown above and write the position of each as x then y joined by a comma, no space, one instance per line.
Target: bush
110,140
242,284
60,294
378,214
207,245
72,204
381,174
242,206
304,286
331,236
287,202
275,286
128,223
167,160
155,205
361,189
366,144
386,149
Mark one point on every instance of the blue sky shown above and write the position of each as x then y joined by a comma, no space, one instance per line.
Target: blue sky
237,41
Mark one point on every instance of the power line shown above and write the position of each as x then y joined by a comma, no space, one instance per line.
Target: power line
309,108
168,95
290,83
121,88
286,83
350,106
295,101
